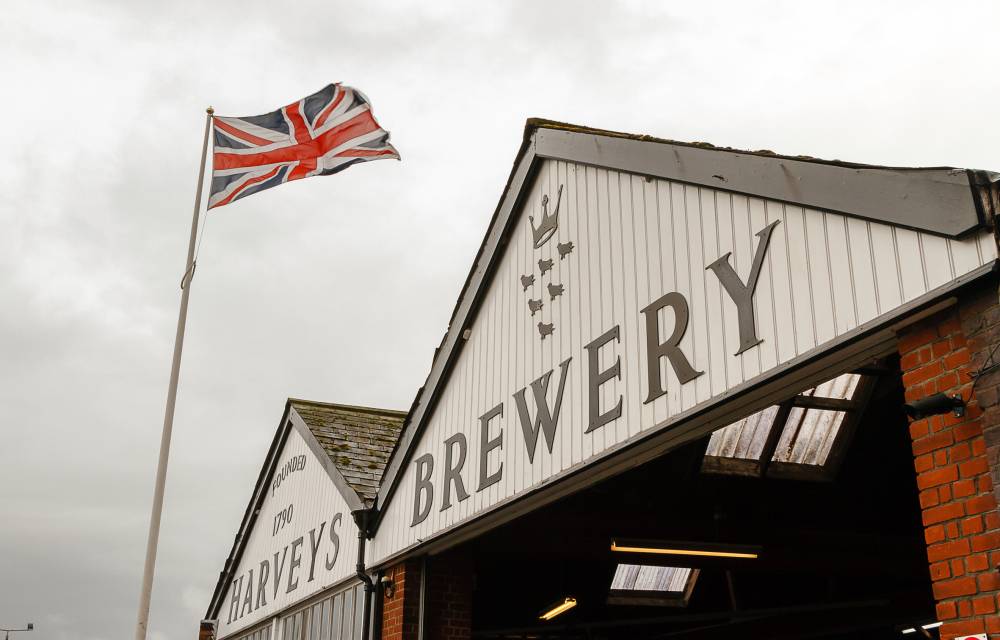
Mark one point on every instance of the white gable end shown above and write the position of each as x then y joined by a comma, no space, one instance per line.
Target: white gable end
583,314
303,540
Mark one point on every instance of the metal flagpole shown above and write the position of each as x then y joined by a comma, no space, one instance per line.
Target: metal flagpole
168,417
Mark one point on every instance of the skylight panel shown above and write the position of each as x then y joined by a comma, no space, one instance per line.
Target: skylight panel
810,424
638,584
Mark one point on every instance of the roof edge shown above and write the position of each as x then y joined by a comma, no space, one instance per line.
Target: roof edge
532,124
349,407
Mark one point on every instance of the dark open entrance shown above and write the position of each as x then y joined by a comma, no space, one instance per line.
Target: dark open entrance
840,557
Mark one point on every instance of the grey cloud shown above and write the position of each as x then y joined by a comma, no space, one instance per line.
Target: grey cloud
339,289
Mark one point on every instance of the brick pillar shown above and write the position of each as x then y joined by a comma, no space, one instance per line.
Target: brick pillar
980,315
206,630
956,460
447,600
449,597
401,611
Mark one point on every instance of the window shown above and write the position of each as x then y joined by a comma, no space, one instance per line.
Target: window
337,617
802,437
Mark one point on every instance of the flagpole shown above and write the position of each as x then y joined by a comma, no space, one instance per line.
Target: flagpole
168,418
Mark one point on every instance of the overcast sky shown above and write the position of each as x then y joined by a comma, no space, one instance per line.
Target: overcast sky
338,289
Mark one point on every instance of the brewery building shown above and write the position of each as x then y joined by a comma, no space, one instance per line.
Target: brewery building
686,392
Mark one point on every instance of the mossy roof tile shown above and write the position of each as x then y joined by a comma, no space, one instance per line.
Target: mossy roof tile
357,439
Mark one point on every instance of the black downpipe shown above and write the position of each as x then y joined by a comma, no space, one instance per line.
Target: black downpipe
362,518
379,603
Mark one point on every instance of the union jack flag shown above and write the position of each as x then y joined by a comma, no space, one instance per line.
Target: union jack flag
316,136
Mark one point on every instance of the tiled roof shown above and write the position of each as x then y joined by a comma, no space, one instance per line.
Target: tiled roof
357,439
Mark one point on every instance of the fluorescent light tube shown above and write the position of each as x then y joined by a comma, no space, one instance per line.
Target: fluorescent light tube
560,607
707,550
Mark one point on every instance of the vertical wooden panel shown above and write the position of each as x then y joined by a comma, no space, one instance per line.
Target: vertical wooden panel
783,306
697,288
338,617
936,263
841,273
820,278
889,287
347,627
640,291
909,263
800,279
862,267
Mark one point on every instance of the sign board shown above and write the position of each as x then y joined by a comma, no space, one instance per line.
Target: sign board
303,540
619,305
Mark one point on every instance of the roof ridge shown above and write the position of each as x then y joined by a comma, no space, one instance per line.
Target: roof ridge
350,407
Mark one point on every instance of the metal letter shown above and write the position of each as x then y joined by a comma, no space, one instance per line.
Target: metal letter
314,547
293,582
486,445
598,378
278,570
335,539
265,571
453,473
545,420
742,294
248,596
669,349
234,601
425,467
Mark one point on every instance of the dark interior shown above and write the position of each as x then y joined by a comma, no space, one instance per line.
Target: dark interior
839,559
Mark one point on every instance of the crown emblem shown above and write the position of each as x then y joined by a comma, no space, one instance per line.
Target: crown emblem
549,223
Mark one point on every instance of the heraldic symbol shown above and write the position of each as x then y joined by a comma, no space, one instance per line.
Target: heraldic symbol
549,224
541,234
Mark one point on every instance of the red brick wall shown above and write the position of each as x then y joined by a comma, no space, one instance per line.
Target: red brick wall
400,613
449,597
980,315
956,460
448,600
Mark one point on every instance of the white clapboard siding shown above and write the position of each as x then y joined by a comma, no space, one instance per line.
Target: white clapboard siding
316,500
636,239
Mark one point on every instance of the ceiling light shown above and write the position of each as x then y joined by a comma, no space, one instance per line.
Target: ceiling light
701,549
553,610
932,625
